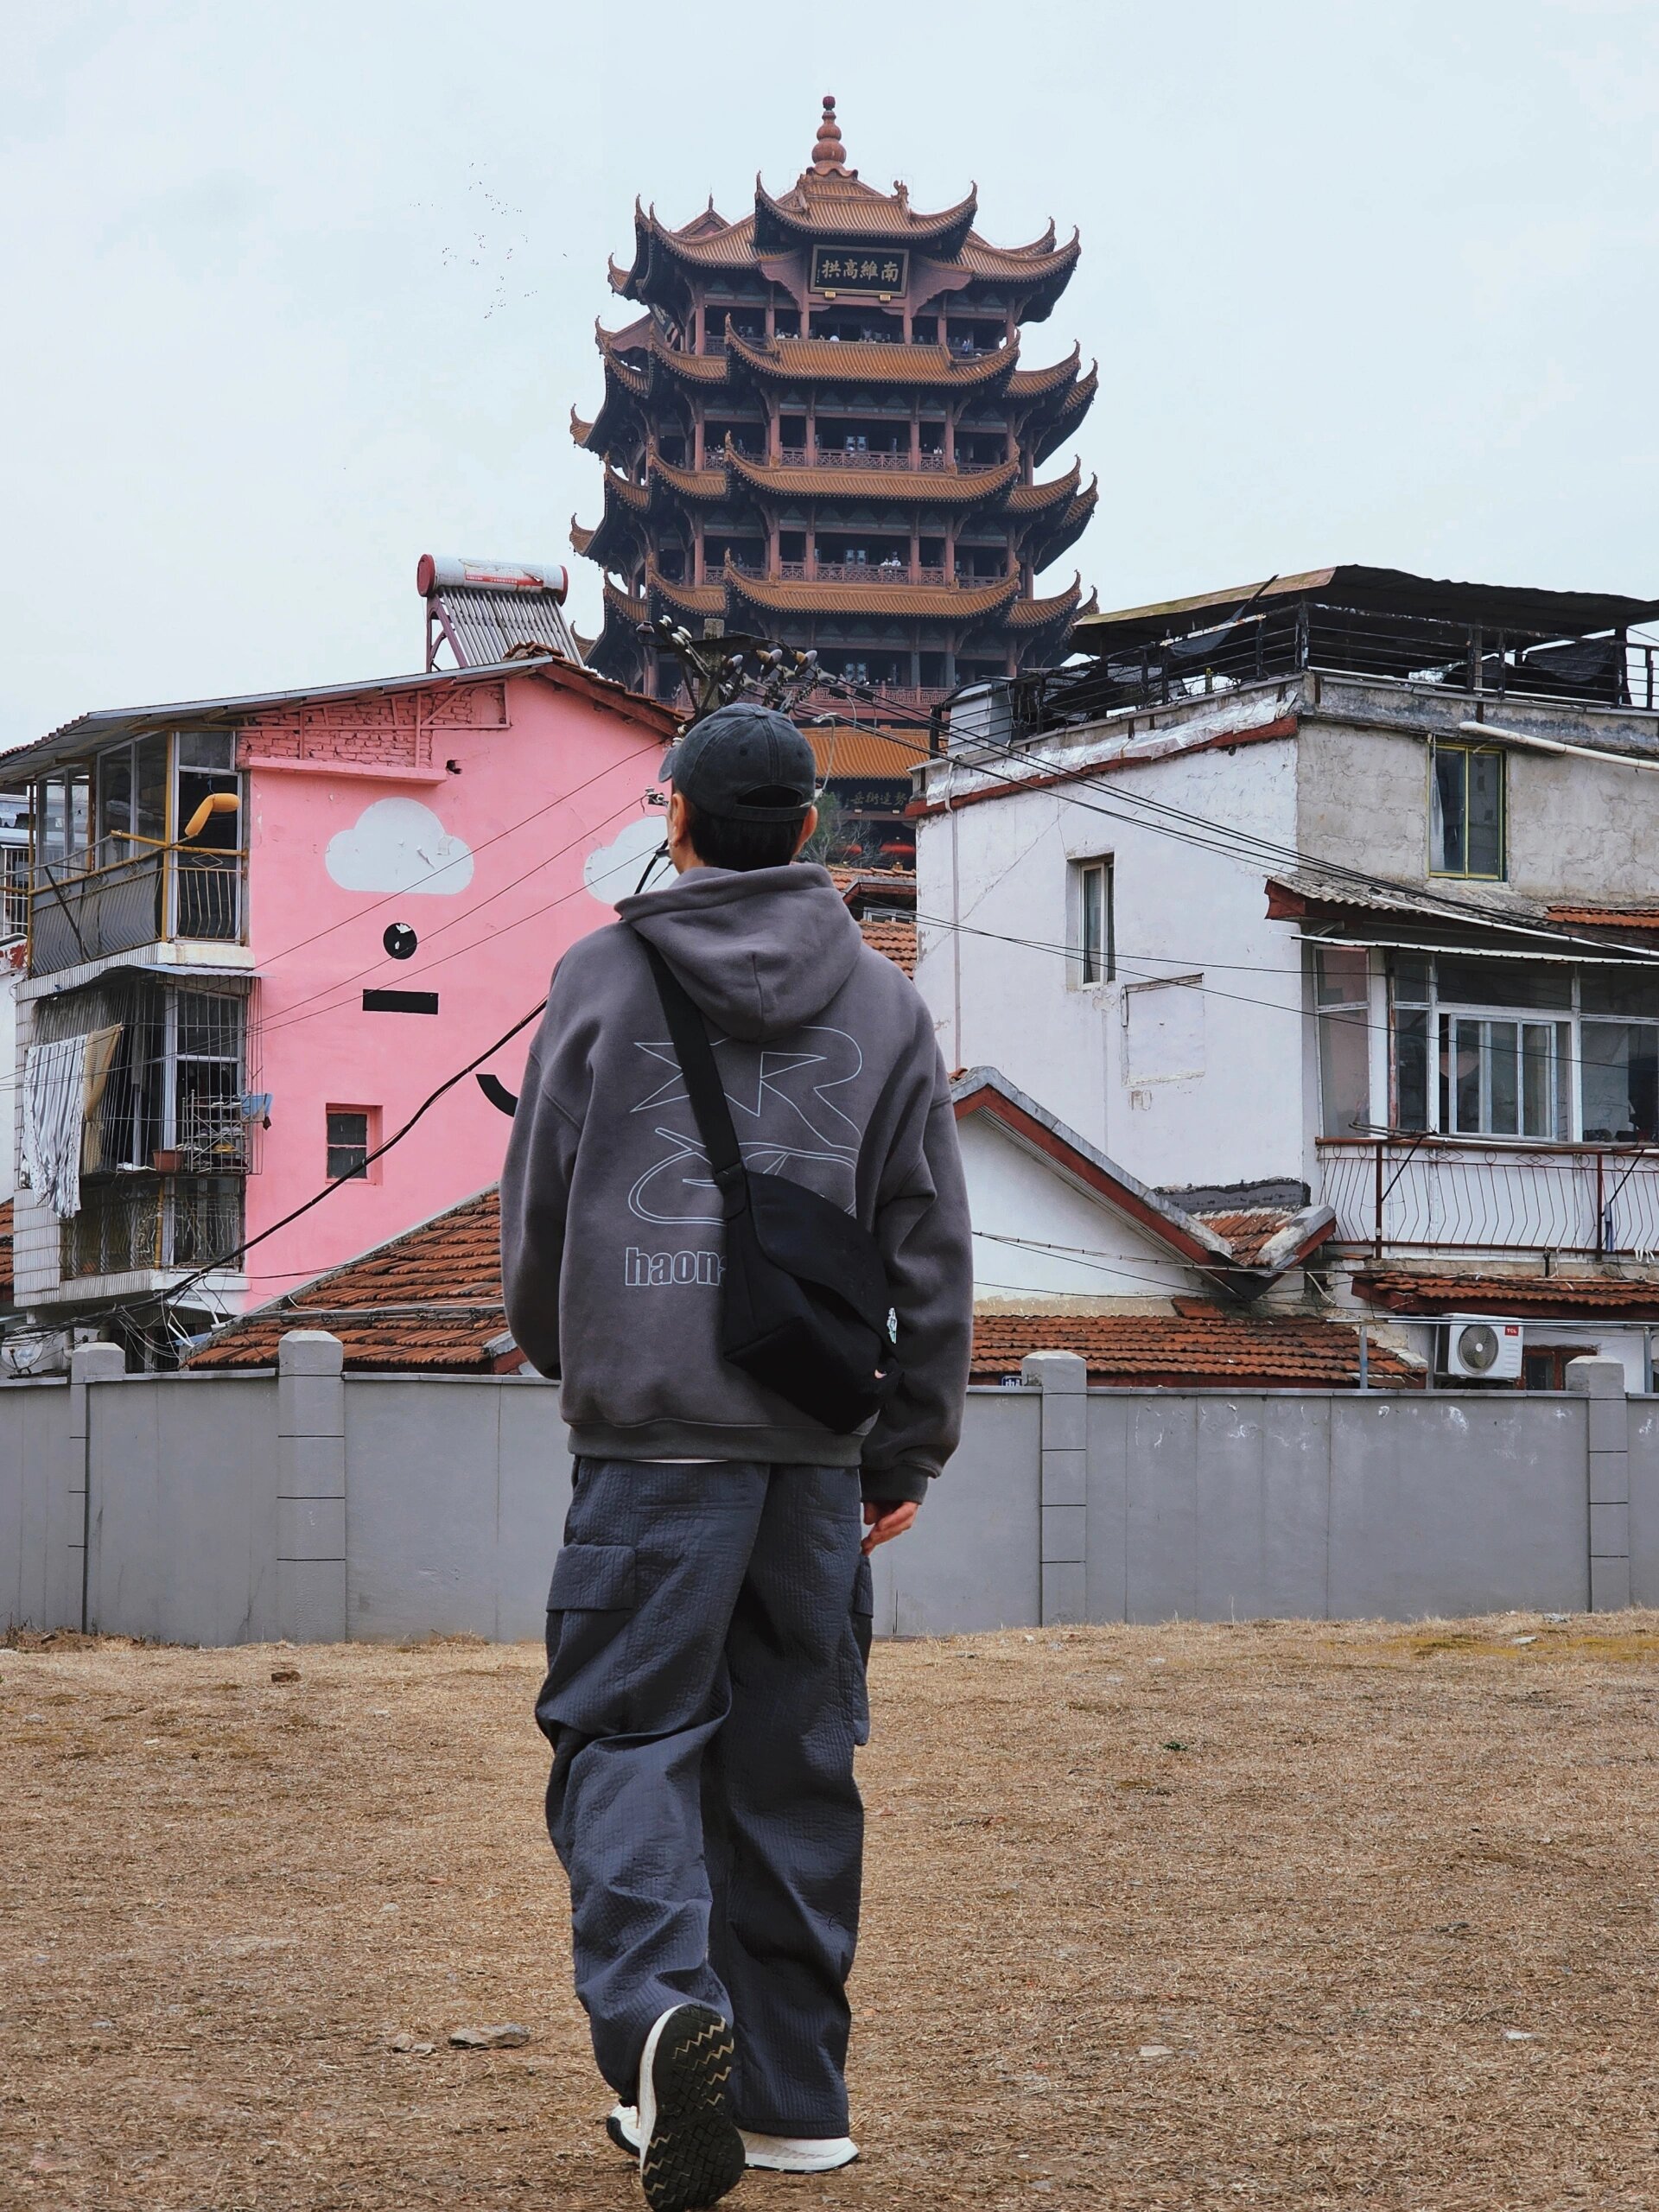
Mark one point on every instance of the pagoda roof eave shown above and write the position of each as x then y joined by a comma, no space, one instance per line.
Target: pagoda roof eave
1069,529
690,599
844,208
1028,501
709,485
932,487
1077,404
829,360
1027,615
936,602
1027,385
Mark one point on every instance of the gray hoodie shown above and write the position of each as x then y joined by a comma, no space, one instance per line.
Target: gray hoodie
612,1236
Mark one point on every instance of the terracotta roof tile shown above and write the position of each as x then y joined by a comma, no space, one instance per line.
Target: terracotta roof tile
895,939
938,487
430,1299
1406,1290
1248,1232
948,602
1160,1350
860,753
870,361
1607,917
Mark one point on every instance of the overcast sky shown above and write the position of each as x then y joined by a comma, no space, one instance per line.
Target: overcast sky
295,294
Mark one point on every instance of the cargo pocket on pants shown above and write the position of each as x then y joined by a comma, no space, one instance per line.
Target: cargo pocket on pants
861,1620
590,1605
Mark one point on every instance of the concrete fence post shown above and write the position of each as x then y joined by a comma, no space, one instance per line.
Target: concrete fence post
1602,1382
87,1364
310,1487
1063,1378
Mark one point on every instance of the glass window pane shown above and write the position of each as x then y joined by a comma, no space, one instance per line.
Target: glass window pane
1411,978
1091,887
114,806
1411,1070
1502,1078
1446,844
1619,990
1537,1088
1465,1076
210,748
348,1146
1345,1072
1504,983
1344,975
150,804
52,820
81,816
1485,832
1619,1075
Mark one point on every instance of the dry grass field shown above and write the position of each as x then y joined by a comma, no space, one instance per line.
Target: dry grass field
1272,1915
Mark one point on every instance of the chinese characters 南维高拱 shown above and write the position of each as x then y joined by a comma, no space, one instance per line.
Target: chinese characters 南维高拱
890,273
829,269
866,269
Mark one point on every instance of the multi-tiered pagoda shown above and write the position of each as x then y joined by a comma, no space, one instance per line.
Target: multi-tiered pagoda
820,432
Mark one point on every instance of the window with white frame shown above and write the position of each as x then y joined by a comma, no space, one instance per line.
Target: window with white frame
1094,924
1342,985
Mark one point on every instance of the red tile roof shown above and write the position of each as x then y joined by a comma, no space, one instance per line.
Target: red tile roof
857,754
1248,1232
430,1299
896,939
1168,1352
1406,1290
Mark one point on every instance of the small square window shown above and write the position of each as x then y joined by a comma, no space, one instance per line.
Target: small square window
351,1136
1094,935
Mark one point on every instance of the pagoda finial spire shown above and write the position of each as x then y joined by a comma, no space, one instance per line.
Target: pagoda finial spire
829,156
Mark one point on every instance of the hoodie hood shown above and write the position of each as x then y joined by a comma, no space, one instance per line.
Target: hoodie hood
758,951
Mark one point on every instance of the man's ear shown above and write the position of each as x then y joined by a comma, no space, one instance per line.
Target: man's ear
807,829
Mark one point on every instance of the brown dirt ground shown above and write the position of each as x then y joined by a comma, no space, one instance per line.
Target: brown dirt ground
1337,1872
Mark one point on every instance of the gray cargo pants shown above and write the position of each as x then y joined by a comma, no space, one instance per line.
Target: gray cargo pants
704,1693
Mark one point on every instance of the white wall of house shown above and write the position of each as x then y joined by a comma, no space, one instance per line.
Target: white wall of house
1189,1067
1104,1260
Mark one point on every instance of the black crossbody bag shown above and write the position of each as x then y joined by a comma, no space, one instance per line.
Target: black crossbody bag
805,1308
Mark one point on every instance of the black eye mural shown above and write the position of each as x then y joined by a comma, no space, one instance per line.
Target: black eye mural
399,940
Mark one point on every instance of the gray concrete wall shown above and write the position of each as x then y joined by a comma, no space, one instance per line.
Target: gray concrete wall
312,1506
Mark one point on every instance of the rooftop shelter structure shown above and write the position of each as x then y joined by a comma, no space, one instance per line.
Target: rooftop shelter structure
822,429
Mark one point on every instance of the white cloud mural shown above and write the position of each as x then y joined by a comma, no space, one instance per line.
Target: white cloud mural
398,844
613,871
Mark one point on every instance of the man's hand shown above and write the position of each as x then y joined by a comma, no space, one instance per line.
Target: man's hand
887,1519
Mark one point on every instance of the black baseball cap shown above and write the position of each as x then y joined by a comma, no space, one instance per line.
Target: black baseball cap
745,764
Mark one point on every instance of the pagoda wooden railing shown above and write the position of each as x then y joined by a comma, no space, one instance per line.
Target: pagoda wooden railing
900,462
858,572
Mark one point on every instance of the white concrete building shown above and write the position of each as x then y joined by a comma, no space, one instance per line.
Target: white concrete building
1340,891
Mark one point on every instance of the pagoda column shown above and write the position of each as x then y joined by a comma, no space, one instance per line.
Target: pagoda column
696,551
915,431
949,437
951,546
697,435
775,437
915,551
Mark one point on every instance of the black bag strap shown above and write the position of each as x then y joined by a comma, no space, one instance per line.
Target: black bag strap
702,1083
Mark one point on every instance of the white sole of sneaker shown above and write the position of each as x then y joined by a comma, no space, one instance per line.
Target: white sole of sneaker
778,2154
690,2152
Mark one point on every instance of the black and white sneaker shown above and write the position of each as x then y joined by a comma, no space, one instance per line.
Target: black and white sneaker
690,2152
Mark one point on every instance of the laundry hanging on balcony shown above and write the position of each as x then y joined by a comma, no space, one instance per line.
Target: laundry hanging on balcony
63,1087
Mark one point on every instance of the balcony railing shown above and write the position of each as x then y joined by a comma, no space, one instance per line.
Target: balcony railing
139,1223
858,572
165,893
900,462
1425,1194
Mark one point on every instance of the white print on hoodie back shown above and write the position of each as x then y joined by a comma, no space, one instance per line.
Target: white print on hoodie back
787,1124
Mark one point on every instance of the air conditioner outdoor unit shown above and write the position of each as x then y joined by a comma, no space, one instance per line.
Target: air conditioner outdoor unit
1480,1348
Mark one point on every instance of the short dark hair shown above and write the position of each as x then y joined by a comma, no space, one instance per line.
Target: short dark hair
719,842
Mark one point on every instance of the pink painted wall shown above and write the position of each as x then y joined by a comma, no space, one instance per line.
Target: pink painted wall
523,810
